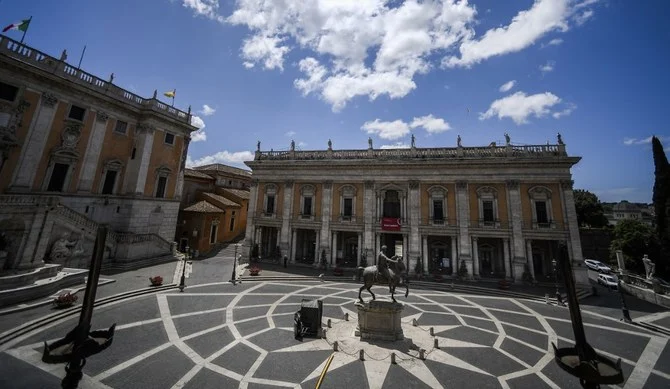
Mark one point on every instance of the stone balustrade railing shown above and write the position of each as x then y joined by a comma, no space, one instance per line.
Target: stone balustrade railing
533,151
82,221
36,58
24,200
129,238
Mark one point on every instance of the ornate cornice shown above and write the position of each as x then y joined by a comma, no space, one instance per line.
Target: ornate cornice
49,99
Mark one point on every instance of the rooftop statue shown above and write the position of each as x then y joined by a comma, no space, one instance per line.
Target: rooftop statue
458,141
507,139
369,142
413,141
560,139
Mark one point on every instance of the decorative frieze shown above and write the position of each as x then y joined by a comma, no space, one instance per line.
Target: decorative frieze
49,99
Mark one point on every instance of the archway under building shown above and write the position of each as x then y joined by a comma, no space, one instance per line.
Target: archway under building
305,250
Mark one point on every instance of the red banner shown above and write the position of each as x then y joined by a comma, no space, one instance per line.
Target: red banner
390,224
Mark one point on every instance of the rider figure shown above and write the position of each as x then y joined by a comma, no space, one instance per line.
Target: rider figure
382,264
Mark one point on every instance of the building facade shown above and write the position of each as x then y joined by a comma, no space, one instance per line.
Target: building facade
502,211
211,214
625,210
77,151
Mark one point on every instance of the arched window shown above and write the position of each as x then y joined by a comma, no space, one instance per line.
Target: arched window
488,207
438,205
540,205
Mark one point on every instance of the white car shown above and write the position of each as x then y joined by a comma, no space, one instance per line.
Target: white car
597,266
608,281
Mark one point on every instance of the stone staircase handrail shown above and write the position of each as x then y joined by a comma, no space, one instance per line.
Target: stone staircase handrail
82,221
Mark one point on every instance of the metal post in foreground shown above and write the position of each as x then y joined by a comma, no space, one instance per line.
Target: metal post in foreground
559,299
233,278
183,271
624,307
74,366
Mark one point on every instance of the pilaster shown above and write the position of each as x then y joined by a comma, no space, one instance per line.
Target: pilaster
506,257
138,168
575,243
463,211
326,206
285,233
414,244
369,212
180,175
475,257
92,154
516,216
251,213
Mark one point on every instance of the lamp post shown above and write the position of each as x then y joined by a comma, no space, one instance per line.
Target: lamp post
559,299
233,278
183,270
624,307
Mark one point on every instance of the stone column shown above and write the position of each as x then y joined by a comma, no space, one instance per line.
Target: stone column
326,207
369,216
333,258
92,154
414,212
294,241
518,249
475,257
317,251
575,243
454,255
529,258
463,211
33,147
506,263
359,248
249,235
425,254
283,238
138,171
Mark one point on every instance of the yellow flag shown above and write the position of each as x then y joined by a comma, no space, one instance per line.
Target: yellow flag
171,93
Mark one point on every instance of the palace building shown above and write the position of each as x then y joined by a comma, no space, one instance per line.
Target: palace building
77,151
501,210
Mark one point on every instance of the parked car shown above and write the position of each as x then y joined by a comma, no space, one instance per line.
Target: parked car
597,266
608,281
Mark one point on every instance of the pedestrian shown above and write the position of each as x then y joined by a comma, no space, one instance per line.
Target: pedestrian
285,261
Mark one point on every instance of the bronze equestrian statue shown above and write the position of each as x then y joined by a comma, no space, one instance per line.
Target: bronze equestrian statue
381,274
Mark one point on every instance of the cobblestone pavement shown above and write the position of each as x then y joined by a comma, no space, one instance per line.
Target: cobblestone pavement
220,335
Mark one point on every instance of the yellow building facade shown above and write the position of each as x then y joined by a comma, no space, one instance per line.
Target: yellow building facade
501,210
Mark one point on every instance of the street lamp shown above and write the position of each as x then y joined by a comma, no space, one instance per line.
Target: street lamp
233,279
559,299
183,270
624,307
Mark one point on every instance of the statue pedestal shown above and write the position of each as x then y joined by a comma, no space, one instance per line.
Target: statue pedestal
380,320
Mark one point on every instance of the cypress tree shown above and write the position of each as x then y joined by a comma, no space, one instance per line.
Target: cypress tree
661,199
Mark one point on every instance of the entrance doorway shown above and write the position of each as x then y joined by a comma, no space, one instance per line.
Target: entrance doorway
393,243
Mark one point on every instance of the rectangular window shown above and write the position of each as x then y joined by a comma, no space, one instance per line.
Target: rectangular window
212,233
232,223
307,206
110,180
169,138
160,187
76,113
270,208
8,92
438,210
541,212
57,179
487,207
348,207
121,127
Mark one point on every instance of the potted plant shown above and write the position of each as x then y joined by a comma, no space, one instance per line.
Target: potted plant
254,271
338,271
504,284
156,280
65,300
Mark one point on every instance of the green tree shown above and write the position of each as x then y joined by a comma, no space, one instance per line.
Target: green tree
634,239
661,203
590,212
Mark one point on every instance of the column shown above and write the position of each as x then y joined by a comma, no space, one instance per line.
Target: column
287,210
475,257
574,242
317,251
249,235
463,211
368,214
92,154
529,258
180,176
358,250
413,209
425,254
516,216
454,255
137,171
33,148
294,240
326,207
506,263
333,258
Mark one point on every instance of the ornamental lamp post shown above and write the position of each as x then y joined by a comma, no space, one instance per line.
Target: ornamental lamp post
559,299
233,278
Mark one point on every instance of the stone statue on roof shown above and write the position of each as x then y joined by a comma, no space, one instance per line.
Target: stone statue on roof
507,139
458,141
413,141
369,142
560,139
292,145
258,146
330,144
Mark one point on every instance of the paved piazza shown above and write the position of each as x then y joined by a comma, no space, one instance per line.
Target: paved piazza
225,336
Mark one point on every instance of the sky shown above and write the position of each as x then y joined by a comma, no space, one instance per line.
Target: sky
309,71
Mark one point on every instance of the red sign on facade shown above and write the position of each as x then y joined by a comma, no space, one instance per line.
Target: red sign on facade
390,224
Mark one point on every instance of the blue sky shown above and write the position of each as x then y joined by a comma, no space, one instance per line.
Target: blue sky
593,70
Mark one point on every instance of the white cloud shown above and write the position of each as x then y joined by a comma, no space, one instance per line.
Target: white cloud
643,141
225,157
302,144
567,111
507,86
555,42
520,106
198,136
525,29
583,17
266,49
207,110
548,67
386,130
398,145
584,3
289,133
197,121
431,124
206,8
248,65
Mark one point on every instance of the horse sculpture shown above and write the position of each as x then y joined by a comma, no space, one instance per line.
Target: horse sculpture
371,276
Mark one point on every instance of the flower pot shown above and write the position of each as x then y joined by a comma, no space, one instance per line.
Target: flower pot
156,281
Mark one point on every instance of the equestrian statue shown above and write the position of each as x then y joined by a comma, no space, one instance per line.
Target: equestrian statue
382,274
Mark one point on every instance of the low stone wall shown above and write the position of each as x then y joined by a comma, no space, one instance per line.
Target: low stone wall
647,295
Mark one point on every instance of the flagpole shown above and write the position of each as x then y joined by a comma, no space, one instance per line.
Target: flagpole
174,93
24,32
82,57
